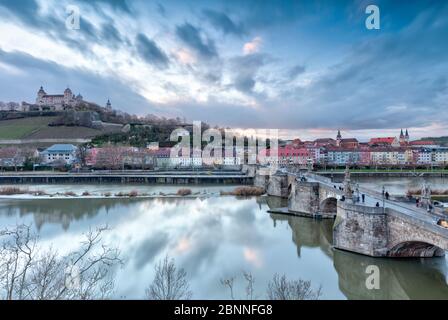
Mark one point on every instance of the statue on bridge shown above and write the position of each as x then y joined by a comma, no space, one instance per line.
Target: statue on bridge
426,196
348,192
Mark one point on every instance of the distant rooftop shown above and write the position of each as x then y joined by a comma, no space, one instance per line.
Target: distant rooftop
61,148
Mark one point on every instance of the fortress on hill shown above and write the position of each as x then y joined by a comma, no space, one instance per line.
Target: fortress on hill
57,102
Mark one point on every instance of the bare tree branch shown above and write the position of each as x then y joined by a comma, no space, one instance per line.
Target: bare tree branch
169,282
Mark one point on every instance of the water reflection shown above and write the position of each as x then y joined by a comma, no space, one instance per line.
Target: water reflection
308,233
219,237
399,279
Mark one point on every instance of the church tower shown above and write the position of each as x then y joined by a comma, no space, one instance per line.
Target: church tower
108,105
68,96
402,139
40,95
406,136
338,138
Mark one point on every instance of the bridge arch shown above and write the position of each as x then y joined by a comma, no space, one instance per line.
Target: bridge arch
415,248
329,205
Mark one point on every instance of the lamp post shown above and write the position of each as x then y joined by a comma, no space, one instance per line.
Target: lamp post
384,203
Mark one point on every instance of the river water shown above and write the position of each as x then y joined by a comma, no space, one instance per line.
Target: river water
214,237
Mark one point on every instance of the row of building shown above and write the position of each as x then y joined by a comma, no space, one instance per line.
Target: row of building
61,155
323,152
377,151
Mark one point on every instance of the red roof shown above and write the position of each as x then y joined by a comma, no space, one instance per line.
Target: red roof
386,140
287,151
422,143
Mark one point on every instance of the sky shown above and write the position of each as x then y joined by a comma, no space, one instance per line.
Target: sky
307,68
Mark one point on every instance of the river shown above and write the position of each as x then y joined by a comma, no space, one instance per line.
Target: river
214,237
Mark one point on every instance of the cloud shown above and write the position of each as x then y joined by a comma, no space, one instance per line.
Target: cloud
295,71
161,10
54,77
25,10
150,248
252,46
394,77
150,52
222,22
191,36
110,34
245,69
120,5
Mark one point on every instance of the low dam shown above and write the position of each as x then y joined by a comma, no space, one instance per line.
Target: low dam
146,177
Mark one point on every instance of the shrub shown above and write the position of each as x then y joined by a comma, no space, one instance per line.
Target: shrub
12,190
245,191
133,193
183,192
86,193
69,193
107,194
40,193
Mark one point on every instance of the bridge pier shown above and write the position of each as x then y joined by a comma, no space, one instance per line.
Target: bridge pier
312,199
360,229
278,185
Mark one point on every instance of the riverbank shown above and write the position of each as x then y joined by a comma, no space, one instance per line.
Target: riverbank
126,177
13,192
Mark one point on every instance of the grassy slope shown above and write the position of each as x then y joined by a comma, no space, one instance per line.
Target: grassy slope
37,128
20,128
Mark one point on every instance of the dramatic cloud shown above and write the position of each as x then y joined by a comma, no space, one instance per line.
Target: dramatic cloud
192,37
245,70
222,22
286,64
295,71
149,51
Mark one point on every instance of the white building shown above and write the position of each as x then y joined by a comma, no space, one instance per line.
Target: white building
59,152
441,155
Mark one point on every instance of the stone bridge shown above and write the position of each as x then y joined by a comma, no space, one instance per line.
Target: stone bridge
387,232
395,230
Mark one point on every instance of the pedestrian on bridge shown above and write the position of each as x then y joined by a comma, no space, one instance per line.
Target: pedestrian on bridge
377,205
387,195
363,196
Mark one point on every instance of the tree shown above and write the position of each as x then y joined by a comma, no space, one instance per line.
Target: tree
110,158
169,282
81,154
280,288
28,272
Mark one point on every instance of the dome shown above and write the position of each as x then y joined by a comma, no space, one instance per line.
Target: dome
68,91
41,90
